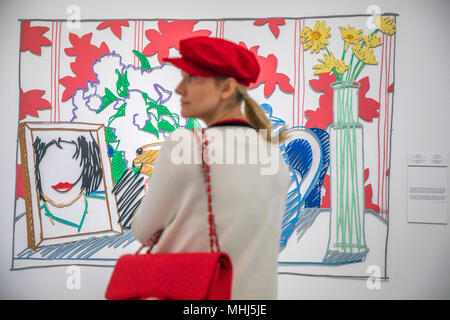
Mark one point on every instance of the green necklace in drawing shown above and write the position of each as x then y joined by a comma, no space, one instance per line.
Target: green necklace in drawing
67,222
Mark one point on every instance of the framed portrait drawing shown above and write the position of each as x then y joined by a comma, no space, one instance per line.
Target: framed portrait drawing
68,183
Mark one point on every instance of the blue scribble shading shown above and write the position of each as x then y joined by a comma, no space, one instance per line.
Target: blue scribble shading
314,198
110,151
299,157
301,209
277,123
333,257
78,250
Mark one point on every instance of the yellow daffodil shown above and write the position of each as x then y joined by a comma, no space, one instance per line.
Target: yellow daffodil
315,39
327,64
305,33
340,66
385,24
372,40
350,35
364,54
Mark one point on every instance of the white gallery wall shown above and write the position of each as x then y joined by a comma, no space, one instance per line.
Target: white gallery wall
418,256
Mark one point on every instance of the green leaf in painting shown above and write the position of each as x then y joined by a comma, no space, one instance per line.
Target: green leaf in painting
110,135
143,59
118,165
166,126
150,129
120,113
107,99
193,123
122,83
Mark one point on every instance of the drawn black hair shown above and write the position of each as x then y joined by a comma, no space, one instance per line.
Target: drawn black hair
88,153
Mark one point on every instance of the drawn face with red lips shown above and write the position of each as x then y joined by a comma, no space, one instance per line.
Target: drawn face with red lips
61,183
66,166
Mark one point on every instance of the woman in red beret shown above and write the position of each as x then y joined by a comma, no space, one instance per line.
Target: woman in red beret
249,178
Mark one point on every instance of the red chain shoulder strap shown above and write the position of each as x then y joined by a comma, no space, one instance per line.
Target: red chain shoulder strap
213,238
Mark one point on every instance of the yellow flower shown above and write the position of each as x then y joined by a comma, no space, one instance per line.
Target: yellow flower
304,35
340,66
350,35
315,39
364,54
327,64
385,24
372,41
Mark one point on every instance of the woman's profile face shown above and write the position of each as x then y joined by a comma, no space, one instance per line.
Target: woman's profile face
200,96
61,173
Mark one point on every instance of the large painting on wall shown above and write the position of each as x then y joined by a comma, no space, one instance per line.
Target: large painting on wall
97,101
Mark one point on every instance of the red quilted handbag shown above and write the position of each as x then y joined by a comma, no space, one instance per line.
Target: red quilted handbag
175,276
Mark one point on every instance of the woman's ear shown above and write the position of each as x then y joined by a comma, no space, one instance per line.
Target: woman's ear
228,87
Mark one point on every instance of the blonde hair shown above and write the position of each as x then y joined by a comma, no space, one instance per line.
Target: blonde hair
254,113
257,117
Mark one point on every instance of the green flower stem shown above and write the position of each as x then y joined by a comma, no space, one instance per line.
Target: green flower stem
348,225
349,230
355,187
349,72
343,53
352,77
350,69
363,43
339,77
360,69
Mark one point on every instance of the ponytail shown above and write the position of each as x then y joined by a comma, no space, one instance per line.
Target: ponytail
257,117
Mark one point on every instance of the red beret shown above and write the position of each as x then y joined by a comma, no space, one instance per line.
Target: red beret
210,57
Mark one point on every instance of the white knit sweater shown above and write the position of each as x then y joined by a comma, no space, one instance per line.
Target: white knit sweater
247,203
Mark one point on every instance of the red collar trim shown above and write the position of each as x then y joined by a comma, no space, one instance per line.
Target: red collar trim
231,120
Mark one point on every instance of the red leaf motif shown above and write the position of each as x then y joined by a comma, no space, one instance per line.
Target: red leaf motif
31,102
368,196
20,189
391,88
85,54
169,36
115,26
368,107
325,202
323,116
268,74
273,25
366,174
32,38
368,193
